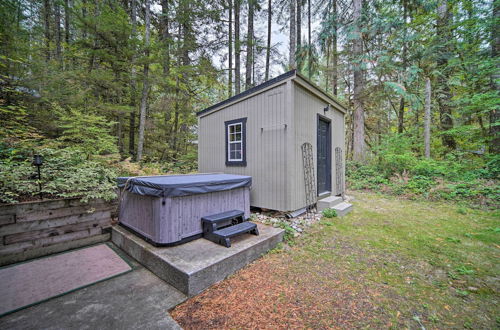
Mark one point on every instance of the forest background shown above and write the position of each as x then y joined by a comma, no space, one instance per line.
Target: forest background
112,87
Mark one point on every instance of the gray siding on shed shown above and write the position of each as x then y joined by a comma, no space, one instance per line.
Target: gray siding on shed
306,110
279,119
266,115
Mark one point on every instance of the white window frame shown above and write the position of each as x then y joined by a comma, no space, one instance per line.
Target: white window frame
240,141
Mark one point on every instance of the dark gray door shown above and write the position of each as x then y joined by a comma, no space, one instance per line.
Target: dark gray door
324,156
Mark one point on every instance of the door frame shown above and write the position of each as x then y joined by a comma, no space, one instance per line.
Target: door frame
328,190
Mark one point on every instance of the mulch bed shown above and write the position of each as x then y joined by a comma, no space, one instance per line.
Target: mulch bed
273,293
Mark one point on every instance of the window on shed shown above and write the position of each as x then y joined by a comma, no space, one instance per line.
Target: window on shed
235,142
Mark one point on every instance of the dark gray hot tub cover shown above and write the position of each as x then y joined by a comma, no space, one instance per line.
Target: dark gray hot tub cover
183,185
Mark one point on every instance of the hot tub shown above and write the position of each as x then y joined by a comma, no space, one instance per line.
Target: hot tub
166,210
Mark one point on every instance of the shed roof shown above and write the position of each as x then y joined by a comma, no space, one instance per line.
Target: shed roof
292,75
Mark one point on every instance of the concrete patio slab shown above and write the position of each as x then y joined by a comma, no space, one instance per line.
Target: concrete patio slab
194,266
135,300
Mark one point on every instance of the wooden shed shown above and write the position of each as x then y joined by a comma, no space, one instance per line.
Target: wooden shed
260,133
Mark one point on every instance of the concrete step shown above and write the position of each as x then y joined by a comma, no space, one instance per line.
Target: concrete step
194,266
342,208
328,202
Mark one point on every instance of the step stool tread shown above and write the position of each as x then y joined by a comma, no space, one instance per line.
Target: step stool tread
223,216
236,229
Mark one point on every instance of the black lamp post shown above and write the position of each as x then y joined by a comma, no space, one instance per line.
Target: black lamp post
38,161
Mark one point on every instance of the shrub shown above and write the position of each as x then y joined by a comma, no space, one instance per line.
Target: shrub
398,170
65,173
329,213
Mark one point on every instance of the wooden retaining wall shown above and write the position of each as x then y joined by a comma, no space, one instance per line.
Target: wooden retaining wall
33,229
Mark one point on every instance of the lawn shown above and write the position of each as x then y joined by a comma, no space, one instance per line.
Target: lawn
389,264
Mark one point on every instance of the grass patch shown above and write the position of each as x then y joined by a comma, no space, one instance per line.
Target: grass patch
388,264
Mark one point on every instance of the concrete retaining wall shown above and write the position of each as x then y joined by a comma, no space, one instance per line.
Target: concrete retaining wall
33,229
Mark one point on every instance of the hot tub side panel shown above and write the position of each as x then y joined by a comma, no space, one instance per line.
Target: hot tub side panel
181,216
140,214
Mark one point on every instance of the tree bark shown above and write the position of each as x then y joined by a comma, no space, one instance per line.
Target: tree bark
237,47
293,35
299,24
133,83
427,119
249,59
230,50
495,77
268,49
443,93
57,22
359,113
67,32
335,57
309,46
47,34
165,37
145,87
401,113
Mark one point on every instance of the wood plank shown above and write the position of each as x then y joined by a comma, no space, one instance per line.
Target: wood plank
51,249
45,224
27,207
6,219
61,212
57,231
24,246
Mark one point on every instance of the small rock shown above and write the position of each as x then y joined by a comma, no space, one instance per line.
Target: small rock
472,289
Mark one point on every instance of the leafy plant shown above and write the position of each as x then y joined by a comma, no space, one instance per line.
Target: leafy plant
289,232
463,270
329,213
65,173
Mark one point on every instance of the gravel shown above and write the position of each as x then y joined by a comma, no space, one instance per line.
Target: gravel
298,224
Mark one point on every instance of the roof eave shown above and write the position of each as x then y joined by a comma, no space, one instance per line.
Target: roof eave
248,93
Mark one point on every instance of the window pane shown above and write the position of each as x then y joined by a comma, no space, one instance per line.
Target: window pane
235,147
235,137
238,154
237,128
231,129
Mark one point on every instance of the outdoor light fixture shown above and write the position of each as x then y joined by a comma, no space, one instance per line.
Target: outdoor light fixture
38,161
326,108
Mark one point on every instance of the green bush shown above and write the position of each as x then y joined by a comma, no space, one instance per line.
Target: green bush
64,173
398,169
329,213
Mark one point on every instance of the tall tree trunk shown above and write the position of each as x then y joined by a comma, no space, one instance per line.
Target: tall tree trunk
443,93
401,113
145,87
133,83
237,47
335,58
47,34
230,51
359,112
165,37
299,24
249,59
66,22
268,49
427,119
293,35
57,19
495,77
309,46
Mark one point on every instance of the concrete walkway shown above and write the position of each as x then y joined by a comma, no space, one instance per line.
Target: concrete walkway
136,300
